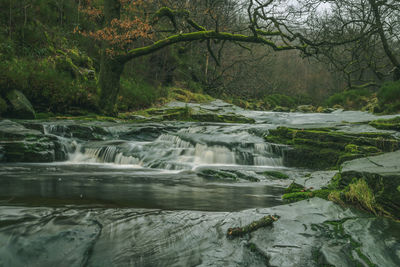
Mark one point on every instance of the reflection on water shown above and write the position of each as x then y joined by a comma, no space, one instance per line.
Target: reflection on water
95,184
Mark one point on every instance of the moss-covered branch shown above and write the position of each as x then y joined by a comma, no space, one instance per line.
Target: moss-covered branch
204,35
241,231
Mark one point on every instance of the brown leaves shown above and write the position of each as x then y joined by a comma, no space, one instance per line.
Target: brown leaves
120,33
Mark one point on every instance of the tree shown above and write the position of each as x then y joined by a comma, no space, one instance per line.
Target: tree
358,37
130,30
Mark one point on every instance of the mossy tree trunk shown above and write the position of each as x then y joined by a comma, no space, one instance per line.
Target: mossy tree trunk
109,82
110,67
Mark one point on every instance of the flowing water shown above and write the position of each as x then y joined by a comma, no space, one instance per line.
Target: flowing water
164,194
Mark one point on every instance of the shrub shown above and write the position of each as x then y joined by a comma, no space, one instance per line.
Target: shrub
47,88
137,94
280,100
389,97
351,99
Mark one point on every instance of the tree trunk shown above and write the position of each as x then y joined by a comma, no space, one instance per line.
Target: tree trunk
110,68
385,43
110,73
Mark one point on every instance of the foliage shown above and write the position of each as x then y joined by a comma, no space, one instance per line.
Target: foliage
389,97
48,88
350,99
137,94
3,106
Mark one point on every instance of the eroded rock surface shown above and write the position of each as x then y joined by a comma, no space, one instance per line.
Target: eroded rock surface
308,233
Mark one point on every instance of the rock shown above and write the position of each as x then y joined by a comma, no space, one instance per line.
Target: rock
324,148
311,233
186,113
389,124
281,109
316,180
382,175
305,108
20,144
3,106
337,106
20,107
327,110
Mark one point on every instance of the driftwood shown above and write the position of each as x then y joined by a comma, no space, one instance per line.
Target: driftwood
241,231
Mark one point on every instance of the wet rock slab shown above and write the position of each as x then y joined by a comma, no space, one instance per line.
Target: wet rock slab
382,174
21,144
309,233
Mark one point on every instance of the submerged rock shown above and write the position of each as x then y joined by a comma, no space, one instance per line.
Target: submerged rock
20,107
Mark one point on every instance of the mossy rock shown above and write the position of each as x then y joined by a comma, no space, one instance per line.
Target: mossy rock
298,196
276,174
19,107
382,177
325,148
188,114
294,187
389,124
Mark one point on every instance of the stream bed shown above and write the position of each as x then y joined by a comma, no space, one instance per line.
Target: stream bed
165,193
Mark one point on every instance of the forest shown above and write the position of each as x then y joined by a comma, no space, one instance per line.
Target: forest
200,133
79,57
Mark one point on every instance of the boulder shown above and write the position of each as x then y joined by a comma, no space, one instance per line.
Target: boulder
20,107
381,174
325,148
281,109
20,144
305,108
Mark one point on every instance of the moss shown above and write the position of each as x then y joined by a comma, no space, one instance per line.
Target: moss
372,192
389,124
360,194
276,174
218,174
241,231
187,96
298,196
294,187
188,114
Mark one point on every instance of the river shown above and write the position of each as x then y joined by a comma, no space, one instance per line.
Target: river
164,194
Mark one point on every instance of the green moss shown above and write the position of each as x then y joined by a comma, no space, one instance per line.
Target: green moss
186,96
276,174
298,196
294,187
389,124
188,114
218,174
